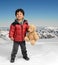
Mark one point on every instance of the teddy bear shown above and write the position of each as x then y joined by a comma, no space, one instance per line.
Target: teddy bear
32,36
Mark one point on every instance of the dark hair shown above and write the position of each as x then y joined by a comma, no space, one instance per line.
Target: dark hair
21,10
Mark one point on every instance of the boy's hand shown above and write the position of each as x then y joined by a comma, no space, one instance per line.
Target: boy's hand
12,38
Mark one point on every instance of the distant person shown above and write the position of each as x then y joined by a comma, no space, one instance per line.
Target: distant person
17,33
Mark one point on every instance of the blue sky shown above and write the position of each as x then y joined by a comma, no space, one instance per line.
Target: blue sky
38,12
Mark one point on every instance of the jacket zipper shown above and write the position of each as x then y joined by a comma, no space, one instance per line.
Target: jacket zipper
22,32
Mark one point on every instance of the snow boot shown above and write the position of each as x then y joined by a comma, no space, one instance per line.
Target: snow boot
26,58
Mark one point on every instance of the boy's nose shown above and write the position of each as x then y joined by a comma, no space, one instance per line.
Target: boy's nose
18,16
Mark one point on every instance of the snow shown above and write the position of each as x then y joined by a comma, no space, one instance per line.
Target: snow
44,52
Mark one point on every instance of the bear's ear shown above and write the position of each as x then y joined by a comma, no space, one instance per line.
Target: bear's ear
34,28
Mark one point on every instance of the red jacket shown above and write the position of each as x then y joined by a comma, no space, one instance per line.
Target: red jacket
18,31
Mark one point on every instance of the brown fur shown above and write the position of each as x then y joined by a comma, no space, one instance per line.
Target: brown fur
32,35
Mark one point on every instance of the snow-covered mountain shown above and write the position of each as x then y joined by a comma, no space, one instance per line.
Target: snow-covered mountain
44,32
47,32
4,35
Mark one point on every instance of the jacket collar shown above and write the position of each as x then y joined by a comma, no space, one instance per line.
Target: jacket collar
23,21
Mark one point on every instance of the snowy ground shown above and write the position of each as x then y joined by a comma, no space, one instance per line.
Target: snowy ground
44,52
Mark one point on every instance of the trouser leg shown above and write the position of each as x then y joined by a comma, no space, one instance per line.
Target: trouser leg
14,50
23,49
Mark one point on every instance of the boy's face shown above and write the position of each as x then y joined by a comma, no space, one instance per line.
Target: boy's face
19,15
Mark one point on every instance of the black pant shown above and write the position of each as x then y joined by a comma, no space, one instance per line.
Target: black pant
15,49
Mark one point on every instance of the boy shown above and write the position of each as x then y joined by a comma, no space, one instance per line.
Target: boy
17,33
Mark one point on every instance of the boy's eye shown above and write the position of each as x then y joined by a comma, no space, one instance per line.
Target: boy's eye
20,14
